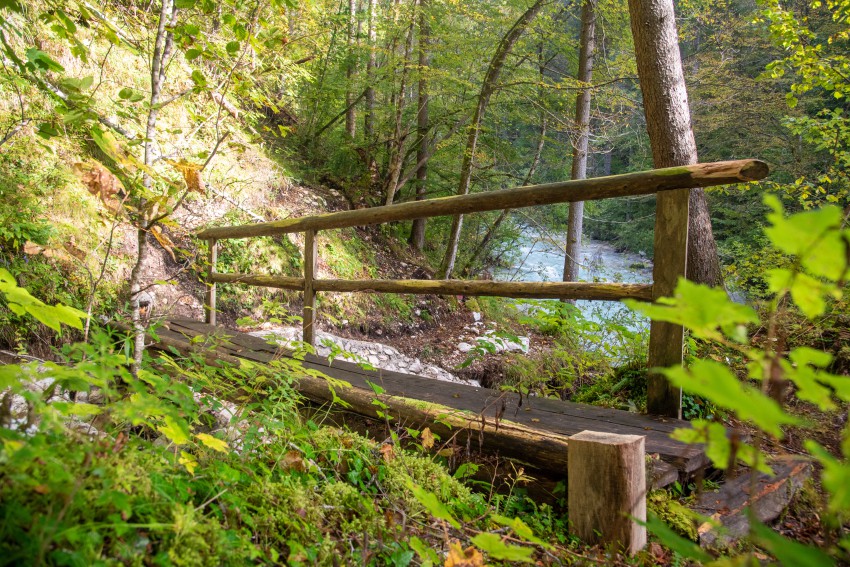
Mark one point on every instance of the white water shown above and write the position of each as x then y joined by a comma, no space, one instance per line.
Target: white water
541,259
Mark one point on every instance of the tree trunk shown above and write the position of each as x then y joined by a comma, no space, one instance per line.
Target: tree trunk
417,230
396,154
350,113
487,88
575,220
665,101
369,120
163,45
668,122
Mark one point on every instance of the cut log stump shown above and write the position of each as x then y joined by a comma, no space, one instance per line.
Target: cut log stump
606,488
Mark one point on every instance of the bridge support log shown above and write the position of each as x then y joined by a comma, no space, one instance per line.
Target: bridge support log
606,487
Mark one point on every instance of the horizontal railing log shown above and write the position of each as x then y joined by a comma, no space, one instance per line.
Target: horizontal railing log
520,290
625,185
279,282
525,290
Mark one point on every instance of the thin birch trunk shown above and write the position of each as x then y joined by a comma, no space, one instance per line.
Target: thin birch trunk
575,220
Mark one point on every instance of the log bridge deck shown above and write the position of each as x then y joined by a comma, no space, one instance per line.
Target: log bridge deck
533,431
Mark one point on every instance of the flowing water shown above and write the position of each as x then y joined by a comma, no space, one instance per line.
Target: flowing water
541,259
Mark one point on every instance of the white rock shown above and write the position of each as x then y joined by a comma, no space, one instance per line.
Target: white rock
464,347
476,316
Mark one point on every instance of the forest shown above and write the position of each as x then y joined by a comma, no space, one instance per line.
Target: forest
205,358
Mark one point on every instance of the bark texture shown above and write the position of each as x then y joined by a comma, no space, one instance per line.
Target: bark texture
417,230
581,143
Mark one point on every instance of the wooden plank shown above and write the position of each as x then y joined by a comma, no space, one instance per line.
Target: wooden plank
666,340
629,184
210,306
558,417
311,258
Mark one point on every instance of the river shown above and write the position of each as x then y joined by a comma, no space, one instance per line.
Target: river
541,258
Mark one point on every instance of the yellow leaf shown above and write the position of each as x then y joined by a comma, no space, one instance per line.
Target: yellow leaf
459,557
191,175
176,432
164,241
427,438
212,442
188,461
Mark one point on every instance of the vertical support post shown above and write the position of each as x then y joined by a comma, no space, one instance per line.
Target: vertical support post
606,488
666,340
310,261
209,307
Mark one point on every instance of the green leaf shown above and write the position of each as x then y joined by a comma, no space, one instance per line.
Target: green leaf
498,549
176,430
433,505
212,442
520,528
10,375
232,47
192,54
684,547
700,308
42,60
715,382
789,553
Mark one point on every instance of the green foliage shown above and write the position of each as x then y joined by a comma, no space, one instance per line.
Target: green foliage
815,242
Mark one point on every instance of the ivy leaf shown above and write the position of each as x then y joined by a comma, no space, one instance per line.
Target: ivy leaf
715,382
700,308
212,442
493,545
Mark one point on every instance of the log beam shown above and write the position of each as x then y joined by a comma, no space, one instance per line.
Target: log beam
625,185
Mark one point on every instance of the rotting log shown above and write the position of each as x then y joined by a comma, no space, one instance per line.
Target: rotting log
606,489
625,185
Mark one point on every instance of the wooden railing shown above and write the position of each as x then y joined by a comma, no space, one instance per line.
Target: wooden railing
670,250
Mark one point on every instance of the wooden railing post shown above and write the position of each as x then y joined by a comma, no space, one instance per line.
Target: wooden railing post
310,261
209,307
666,340
606,488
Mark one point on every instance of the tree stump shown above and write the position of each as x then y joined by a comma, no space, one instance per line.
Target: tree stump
606,488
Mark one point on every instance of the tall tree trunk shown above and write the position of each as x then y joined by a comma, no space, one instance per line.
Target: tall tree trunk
351,113
369,120
668,122
163,46
575,220
487,88
417,230
665,101
396,154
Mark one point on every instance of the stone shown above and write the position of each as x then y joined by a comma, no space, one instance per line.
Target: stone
464,347
476,316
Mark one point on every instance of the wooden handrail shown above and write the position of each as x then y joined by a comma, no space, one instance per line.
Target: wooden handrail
625,185
671,235
526,290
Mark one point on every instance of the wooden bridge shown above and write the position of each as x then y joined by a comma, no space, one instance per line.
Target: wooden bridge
531,430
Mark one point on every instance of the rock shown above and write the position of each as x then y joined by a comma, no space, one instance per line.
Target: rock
464,347
476,316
